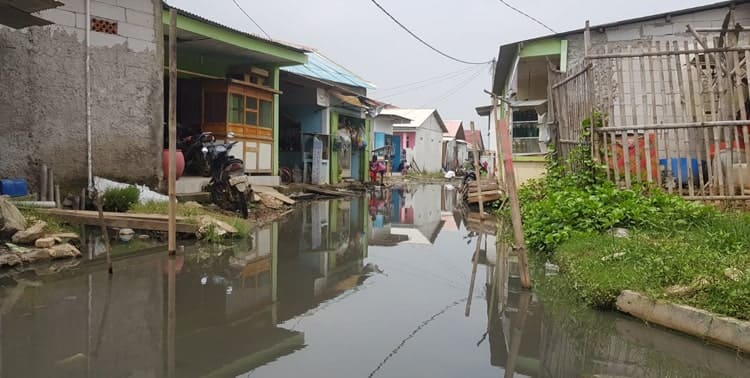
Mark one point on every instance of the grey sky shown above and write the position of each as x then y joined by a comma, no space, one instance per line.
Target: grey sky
358,36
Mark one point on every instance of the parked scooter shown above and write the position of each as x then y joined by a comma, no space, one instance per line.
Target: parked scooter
192,146
229,185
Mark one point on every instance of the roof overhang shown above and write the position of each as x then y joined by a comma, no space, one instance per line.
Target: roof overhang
17,13
208,39
484,111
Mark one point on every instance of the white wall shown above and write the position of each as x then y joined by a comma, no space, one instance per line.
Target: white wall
428,148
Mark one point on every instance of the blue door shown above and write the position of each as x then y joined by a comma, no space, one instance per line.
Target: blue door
396,142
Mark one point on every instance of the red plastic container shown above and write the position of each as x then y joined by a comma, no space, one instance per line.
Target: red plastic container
179,163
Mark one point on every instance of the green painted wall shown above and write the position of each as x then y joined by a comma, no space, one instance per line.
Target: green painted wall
540,48
334,156
564,55
237,39
276,122
365,163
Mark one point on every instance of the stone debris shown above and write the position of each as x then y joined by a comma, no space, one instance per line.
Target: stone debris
29,235
62,251
45,242
684,290
220,228
126,234
9,259
734,274
613,256
11,220
270,201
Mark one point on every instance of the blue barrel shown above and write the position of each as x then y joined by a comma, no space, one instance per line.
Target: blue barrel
14,187
679,168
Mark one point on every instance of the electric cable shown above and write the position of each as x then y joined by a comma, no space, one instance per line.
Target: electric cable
251,19
527,15
435,49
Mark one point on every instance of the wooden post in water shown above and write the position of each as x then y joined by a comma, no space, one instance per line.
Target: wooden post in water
478,173
172,226
515,206
171,315
475,262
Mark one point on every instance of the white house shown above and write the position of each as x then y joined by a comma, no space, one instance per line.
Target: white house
421,139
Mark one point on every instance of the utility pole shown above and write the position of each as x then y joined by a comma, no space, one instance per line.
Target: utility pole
501,127
172,225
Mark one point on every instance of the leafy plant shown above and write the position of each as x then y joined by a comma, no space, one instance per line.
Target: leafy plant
120,199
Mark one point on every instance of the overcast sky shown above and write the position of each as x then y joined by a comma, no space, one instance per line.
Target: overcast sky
355,34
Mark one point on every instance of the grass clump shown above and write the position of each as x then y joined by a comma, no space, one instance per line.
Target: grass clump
192,213
120,199
706,267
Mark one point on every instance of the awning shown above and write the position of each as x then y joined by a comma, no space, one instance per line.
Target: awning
350,100
17,13
527,104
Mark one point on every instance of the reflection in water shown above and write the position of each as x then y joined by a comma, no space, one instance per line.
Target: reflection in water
393,285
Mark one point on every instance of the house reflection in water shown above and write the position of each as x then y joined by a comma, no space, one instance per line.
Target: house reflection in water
409,214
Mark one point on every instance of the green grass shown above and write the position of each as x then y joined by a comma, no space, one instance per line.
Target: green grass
600,266
54,225
192,213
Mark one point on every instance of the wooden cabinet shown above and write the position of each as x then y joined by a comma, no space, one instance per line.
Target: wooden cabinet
246,110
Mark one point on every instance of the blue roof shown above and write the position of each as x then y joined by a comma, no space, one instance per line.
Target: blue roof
320,67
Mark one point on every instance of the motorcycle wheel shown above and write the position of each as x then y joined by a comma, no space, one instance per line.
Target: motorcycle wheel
242,203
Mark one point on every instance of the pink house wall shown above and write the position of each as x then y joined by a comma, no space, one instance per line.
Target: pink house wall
410,137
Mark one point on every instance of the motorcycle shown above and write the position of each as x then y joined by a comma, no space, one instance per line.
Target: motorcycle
229,185
195,160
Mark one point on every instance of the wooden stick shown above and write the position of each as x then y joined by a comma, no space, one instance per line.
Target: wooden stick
675,117
694,116
515,206
623,118
172,232
43,184
654,111
50,184
478,173
475,262
105,233
663,80
644,100
634,106
684,113
516,335
171,317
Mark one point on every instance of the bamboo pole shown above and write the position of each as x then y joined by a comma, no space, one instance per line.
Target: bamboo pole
644,100
475,262
685,116
634,106
172,226
498,159
654,110
623,119
662,79
43,184
478,174
516,335
515,206
673,106
171,316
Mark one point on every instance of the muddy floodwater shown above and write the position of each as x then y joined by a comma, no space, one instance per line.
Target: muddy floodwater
376,286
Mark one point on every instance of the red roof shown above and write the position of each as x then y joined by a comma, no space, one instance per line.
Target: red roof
452,127
475,138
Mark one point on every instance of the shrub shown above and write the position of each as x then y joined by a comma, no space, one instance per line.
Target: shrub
120,199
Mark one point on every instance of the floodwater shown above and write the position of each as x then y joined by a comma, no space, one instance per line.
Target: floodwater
368,287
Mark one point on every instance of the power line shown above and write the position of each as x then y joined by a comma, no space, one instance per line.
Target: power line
251,19
447,74
422,40
450,92
447,77
527,15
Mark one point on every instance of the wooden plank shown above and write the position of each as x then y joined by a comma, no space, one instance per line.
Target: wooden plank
573,76
91,218
667,53
274,193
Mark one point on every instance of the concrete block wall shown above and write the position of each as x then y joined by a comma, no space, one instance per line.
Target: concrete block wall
42,94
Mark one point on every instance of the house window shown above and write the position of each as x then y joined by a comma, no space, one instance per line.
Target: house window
526,132
250,111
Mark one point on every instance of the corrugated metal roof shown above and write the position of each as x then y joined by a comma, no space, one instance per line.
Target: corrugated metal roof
320,67
417,116
194,16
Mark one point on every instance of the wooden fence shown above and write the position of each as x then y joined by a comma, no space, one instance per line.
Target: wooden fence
673,114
